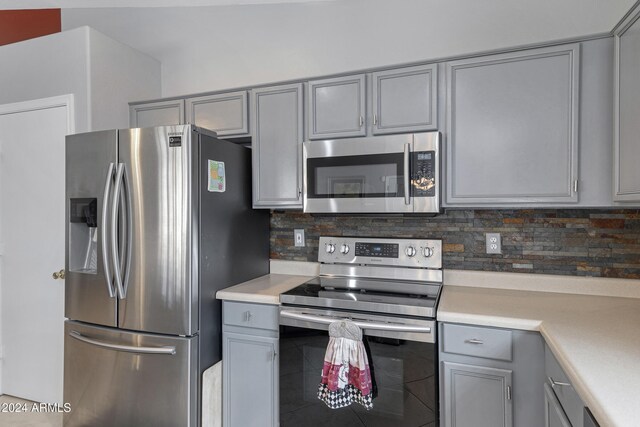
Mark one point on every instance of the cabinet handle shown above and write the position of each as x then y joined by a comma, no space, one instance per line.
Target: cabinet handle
508,392
375,119
558,383
247,316
361,121
474,341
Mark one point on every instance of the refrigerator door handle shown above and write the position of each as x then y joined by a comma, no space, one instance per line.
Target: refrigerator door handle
120,347
104,231
115,255
129,231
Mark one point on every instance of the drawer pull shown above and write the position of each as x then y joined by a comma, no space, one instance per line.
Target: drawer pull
558,383
247,316
474,341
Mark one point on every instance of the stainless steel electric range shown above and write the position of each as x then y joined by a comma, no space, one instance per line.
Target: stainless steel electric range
388,287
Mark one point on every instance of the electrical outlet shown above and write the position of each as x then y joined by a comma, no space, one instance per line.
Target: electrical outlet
494,243
298,237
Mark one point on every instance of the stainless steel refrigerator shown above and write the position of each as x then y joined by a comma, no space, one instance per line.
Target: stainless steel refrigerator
158,220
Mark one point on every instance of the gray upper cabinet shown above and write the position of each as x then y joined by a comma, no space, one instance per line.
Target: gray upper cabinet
224,113
336,107
627,110
512,128
277,122
156,113
405,99
476,396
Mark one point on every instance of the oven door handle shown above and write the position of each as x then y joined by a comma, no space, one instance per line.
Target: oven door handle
396,327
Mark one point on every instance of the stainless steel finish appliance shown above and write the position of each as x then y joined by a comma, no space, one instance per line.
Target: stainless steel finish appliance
158,219
382,174
388,287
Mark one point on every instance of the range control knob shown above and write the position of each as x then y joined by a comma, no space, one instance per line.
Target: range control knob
330,248
344,249
427,252
410,251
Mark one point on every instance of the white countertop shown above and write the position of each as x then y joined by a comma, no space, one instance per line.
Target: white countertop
596,339
264,289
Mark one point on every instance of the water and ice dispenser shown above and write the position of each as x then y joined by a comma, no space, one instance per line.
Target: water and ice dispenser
83,235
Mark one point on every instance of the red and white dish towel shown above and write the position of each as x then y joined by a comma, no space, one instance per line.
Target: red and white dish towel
346,377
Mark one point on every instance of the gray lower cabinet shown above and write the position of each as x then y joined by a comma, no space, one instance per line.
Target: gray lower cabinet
490,377
224,113
560,392
476,396
554,415
512,128
148,114
627,109
277,122
249,365
336,107
405,100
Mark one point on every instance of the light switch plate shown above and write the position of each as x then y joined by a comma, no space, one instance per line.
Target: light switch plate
494,243
298,237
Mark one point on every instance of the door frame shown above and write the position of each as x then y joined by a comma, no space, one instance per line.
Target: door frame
66,101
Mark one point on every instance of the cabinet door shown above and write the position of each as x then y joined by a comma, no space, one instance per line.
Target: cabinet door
277,147
225,113
336,107
404,100
554,415
250,389
512,128
476,396
156,114
627,110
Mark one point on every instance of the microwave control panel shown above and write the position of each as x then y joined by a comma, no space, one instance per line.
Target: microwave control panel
423,180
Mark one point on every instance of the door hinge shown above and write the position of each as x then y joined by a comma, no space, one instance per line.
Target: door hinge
575,186
508,392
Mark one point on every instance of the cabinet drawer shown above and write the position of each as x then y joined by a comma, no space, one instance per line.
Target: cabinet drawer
250,315
477,341
567,396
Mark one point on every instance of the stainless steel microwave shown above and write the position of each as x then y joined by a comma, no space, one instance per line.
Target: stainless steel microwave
382,174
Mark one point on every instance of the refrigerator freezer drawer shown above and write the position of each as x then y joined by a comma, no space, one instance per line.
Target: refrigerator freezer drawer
118,378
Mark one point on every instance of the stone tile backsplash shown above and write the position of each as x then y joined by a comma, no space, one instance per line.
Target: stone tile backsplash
579,242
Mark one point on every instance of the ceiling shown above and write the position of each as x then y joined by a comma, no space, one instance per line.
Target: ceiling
75,4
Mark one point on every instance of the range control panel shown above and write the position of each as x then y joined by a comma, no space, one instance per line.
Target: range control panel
420,253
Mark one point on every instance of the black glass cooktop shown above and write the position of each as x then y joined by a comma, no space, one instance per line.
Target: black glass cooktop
364,295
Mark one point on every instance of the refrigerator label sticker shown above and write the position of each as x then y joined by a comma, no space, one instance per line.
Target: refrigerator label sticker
217,180
175,141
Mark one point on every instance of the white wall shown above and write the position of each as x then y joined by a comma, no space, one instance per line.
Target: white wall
211,48
119,74
47,66
101,73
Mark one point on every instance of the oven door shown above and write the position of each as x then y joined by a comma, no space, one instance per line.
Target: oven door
403,366
364,175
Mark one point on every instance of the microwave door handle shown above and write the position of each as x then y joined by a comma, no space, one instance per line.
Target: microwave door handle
407,194
326,320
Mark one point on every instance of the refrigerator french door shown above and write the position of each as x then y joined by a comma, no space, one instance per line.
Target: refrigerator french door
159,219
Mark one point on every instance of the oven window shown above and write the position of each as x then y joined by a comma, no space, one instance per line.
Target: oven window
404,373
373,175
